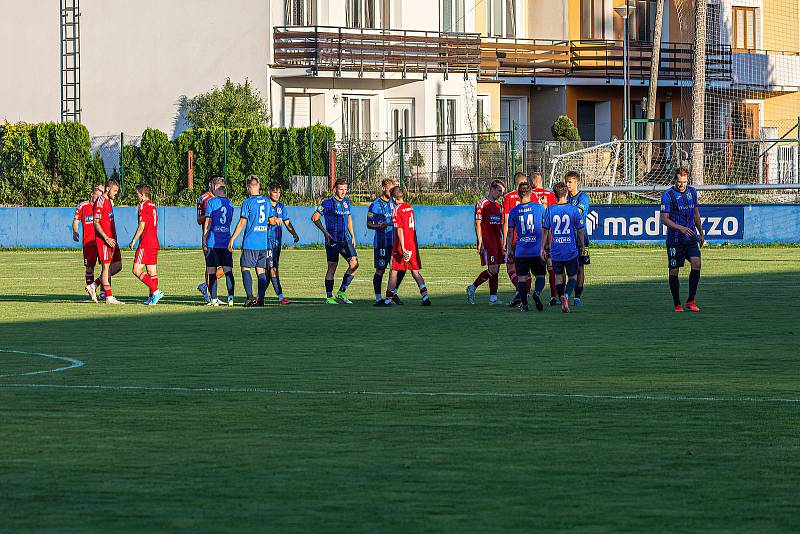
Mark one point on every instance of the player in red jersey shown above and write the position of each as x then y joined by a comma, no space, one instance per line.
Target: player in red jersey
84,217
213,184
545,198
491,242
146,257
405,254
105,232
510,201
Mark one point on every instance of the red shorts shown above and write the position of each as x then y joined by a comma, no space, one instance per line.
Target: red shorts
107,254
146,256
413,264
90,254
492,254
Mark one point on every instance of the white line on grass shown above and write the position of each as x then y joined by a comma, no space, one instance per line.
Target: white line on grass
460,394
73,363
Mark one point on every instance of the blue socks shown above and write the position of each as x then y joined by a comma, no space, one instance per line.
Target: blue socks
247,280
262,285
346,279
229,282
538,285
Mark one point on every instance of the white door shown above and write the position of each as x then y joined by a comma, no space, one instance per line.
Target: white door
514,112
401,118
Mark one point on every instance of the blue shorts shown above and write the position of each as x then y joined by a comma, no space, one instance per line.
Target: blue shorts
261,259
571,266
678,252
382,257
343,248
219,257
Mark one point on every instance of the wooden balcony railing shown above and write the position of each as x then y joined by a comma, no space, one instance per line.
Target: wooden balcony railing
596,59
327,48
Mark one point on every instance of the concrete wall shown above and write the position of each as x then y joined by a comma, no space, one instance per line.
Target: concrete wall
137,58
436,225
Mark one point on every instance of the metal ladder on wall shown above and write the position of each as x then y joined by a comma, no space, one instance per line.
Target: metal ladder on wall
70,61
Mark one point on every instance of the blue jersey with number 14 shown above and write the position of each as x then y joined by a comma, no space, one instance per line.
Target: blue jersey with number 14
563,221
526,221
220,211
256,210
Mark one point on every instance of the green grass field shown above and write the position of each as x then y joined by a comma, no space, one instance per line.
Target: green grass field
622,416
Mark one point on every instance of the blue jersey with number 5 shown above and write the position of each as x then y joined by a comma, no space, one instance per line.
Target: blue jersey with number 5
563,221
220,211
526,220
256,210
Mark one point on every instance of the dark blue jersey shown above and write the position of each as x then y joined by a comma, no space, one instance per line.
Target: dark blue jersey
275,232
680,207
580,201
563,221
220,211
526,220
336,213
380,211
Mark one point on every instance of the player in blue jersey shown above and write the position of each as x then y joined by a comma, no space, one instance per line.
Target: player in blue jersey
213,183
339,239
580,200
255,220
681,215
564,242
379,218
216,237
525,221
280,215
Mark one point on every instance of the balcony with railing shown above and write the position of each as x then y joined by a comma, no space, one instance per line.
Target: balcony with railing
338,50
501,57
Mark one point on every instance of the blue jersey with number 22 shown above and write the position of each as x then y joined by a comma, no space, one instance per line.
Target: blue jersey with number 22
563,221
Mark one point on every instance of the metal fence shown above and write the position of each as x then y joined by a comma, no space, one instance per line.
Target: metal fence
110,149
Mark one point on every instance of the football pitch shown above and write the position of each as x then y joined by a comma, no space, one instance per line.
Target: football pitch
622,415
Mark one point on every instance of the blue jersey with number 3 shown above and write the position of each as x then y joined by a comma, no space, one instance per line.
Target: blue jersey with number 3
256,210
563,221
526,220
220,211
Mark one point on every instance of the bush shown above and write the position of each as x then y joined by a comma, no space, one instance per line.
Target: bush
563,129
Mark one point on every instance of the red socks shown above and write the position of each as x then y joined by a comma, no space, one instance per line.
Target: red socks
494,281
150,281
484,276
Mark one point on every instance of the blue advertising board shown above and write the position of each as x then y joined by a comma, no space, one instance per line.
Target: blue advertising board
642,223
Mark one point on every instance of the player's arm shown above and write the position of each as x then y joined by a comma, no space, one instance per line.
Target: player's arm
315,218
201,216
581,248
406,253
206,228
508,233
288,224
236,232
138,234
698,223
371,224
350,229
75,236
478,234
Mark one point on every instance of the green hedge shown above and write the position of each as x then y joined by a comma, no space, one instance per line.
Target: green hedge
52,165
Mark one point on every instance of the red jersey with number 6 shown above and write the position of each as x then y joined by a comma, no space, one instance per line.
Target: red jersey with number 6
490,214
148,213
403,219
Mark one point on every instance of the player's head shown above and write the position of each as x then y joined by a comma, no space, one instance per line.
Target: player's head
340,188
142,192
221,191
524,192
496,189
536,179
681,179
253,185
397,194
386,186
573,181
112,188
97,190
560,190
519,178
215,182
274,191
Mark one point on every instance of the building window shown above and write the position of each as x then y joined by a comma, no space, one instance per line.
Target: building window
593,19
501,18
368,14
452,15
744,28
299,12
445,116
642,21
356,117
